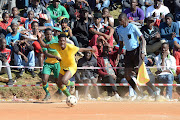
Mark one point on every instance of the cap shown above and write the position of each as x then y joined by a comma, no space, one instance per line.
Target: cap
43,16
151,18
57,28
85,9
97,15
169,15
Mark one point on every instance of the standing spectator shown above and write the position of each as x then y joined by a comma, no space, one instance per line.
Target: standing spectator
100,4
169,30
135,14
38,9
81,28
30,19
11,38
166,65
24,56
128,34
108,73
74,11
158,10
152,36
5,58
97,28
57,11
88,76
5,22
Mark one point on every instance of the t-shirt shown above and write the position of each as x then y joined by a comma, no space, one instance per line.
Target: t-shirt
67,55
108,67
51,51
138,15
162,10
8,54
27,24
10,38
129,36
5,25
100,28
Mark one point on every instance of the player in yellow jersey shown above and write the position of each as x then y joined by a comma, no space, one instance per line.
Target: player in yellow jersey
67,63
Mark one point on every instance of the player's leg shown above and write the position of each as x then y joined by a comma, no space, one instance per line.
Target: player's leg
56,70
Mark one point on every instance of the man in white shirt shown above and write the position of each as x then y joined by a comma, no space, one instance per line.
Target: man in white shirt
166,65
158,10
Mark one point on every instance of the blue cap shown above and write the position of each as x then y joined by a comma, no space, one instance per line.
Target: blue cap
57,28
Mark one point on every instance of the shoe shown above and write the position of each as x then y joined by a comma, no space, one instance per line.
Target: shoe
133,98
72,90
98,98
157,93
117,96
2,79
32,73
47,97
11,82
21,72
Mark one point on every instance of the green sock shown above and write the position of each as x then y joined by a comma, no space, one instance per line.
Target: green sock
59,90
70,83
65,91
46,88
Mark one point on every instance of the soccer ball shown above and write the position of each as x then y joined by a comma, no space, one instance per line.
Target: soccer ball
71,101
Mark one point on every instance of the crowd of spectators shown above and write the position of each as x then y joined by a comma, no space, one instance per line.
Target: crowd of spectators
88,23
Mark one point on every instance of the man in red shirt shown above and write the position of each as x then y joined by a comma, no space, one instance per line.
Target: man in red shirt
5,58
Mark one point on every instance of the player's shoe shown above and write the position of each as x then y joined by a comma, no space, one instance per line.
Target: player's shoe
11,82
21,72
47,97
157,93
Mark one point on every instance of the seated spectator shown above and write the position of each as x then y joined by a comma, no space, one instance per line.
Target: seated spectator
24,56
144,4
152,36
100,4
81,28
108,73
3,33
166,65
5,58
68,32
169,30
38,9
5,22
43,18
30,19
158,10
11,38
97,28
99,46
21,28
74,11
135,14
125,4
57,11
88,75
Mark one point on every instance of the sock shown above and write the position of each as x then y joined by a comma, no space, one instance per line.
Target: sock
65,91
133,85
46,88
151,86
59,91
70,83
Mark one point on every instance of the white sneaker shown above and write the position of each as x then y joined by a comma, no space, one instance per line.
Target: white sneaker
72,90
117,96
133,98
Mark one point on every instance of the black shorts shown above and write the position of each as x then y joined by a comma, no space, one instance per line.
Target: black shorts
132,58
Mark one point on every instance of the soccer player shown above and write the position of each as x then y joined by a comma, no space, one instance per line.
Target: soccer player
51,62
68,63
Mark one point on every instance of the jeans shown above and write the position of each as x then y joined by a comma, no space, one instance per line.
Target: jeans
106,3
8,69
20,62
74,39
168,79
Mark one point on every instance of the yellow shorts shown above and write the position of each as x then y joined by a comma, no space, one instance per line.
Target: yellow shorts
72,69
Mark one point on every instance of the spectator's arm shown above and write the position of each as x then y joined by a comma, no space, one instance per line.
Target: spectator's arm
93,31
51,13
41,41
100,71
86,49
176,45
164,34
111,31
16,48
65,13
71,12
70,32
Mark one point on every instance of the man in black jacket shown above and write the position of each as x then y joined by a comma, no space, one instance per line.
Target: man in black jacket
81,28
24,56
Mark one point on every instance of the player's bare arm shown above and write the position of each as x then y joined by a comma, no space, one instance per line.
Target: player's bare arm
41,41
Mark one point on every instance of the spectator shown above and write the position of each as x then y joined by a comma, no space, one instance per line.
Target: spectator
68,32
152,36
24,56
5,58
169,30
57,11
100,4
11,38
135,14
30,19
21,28
5,22
88,76
158,10
128,34
99,46
38,9
144,4
74,11
81,28
43,18
166,65
125,4
177,11
45,3
108,73
97,28
67,2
